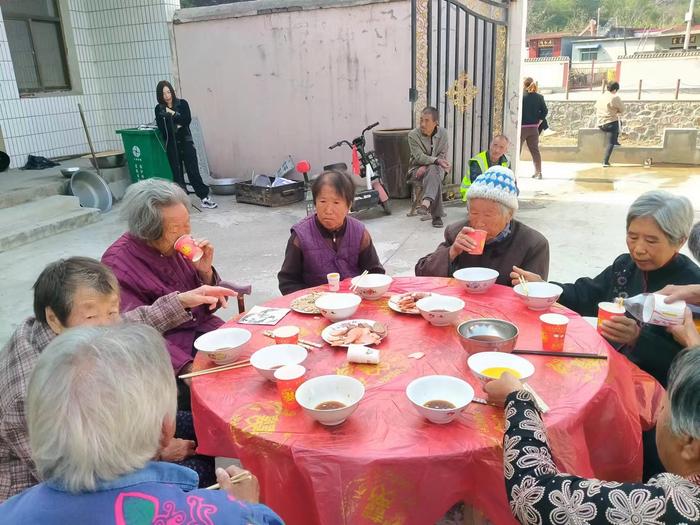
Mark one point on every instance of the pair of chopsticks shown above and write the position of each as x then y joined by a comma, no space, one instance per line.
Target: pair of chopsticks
560,354
241,476
309,345
523,284
222,368
358,282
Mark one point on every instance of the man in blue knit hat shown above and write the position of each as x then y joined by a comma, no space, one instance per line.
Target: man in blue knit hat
492,201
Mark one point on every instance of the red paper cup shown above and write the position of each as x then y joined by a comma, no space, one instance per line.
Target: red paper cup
479,237
186,246
607,311
289,378
553,331
286,335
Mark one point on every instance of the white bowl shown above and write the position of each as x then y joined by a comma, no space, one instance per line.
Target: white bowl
338,306
476,279
270,358
482,361
540,295
223,346
443,388
344,389
440,310
372,286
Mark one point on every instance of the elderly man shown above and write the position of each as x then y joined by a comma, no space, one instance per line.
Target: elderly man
74,292
493,200
539,493
100,406
479,163
428,163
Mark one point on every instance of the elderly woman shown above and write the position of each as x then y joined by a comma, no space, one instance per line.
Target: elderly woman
147,265
329,241
492,201
74,292
539,493
658,224
100,406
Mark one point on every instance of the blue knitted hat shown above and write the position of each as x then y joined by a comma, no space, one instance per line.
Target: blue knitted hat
496,184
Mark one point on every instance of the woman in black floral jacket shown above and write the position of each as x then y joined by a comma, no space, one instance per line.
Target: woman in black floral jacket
539,494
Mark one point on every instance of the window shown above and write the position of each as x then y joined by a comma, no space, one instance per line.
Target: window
589,54
545,51
35,38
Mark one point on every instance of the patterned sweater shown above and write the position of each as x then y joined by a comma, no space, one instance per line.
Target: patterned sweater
540,494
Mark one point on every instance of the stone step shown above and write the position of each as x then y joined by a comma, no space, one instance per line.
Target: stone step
38,219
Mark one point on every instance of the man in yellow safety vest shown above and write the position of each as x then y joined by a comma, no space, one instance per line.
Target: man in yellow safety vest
479,163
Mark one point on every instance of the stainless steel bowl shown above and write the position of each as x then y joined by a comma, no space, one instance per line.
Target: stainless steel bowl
68,172
487,335
223,186
92,191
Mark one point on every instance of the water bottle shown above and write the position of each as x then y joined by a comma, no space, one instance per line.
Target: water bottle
635,306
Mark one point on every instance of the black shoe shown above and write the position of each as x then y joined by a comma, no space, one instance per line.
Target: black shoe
537,175
437,222
422,210
616,144
606,164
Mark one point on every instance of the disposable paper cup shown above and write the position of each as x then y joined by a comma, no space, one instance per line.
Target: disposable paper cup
607,311
362,354
479,237
286,335
657,312
553,331
289,378
333,282
186,246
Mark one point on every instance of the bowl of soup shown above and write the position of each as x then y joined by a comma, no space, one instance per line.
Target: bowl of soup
487,335
440,310
439,399
270,358
487,366
330,399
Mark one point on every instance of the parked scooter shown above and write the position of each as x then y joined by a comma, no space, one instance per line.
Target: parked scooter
365,162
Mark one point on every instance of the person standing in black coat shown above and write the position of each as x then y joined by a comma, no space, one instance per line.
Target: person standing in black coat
173,118
534,113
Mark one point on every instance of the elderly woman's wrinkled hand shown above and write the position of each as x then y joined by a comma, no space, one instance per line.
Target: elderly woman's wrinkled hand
462,243
620,329
529,276
499,389
214,296
246,489
204,265
686,334
690,293
178,450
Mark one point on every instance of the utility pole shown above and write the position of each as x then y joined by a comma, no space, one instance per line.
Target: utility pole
597,22
689,20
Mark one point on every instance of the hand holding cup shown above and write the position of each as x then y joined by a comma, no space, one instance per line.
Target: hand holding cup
463,243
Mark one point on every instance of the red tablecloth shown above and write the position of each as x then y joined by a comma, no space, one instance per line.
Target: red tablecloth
386,464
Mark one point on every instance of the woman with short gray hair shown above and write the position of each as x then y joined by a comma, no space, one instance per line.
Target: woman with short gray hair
101,404
540,493
658,225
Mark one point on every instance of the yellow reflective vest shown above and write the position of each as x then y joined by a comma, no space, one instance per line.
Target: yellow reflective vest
482,160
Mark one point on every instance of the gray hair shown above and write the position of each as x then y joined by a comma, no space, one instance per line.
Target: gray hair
694,241
143,203
672,213
96,404
684,393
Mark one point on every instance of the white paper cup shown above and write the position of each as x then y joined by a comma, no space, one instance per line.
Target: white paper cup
657,312
333,282
362,354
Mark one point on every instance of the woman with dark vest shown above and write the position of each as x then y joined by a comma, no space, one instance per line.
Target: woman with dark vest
328,241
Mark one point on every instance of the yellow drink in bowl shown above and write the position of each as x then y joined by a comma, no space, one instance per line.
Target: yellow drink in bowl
495,372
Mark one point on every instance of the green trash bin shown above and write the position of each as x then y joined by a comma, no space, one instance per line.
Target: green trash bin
145,154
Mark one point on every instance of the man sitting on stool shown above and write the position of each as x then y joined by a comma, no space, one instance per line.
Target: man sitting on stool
479,163
429,146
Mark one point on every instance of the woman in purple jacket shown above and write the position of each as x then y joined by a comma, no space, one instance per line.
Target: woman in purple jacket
100,406
329,241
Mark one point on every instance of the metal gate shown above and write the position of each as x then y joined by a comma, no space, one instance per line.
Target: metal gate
459,67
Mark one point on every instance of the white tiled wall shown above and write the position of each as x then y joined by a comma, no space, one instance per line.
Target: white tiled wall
123,50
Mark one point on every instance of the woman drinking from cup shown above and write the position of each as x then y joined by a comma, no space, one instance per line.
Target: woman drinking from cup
489,237
329,241
658,224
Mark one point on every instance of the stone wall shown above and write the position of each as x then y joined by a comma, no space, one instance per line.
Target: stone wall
643,123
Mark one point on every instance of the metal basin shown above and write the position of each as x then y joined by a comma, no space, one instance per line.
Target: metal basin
108,160
487,335
69,172
92,191
223,186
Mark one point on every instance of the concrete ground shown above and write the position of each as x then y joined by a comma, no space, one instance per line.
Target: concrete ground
580,208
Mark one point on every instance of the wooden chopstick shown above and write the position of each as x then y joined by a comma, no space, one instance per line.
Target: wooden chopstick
560,354
222,368
241,476
523,283
544,407
359,280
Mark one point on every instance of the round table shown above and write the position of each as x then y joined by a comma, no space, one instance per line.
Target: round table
386,464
